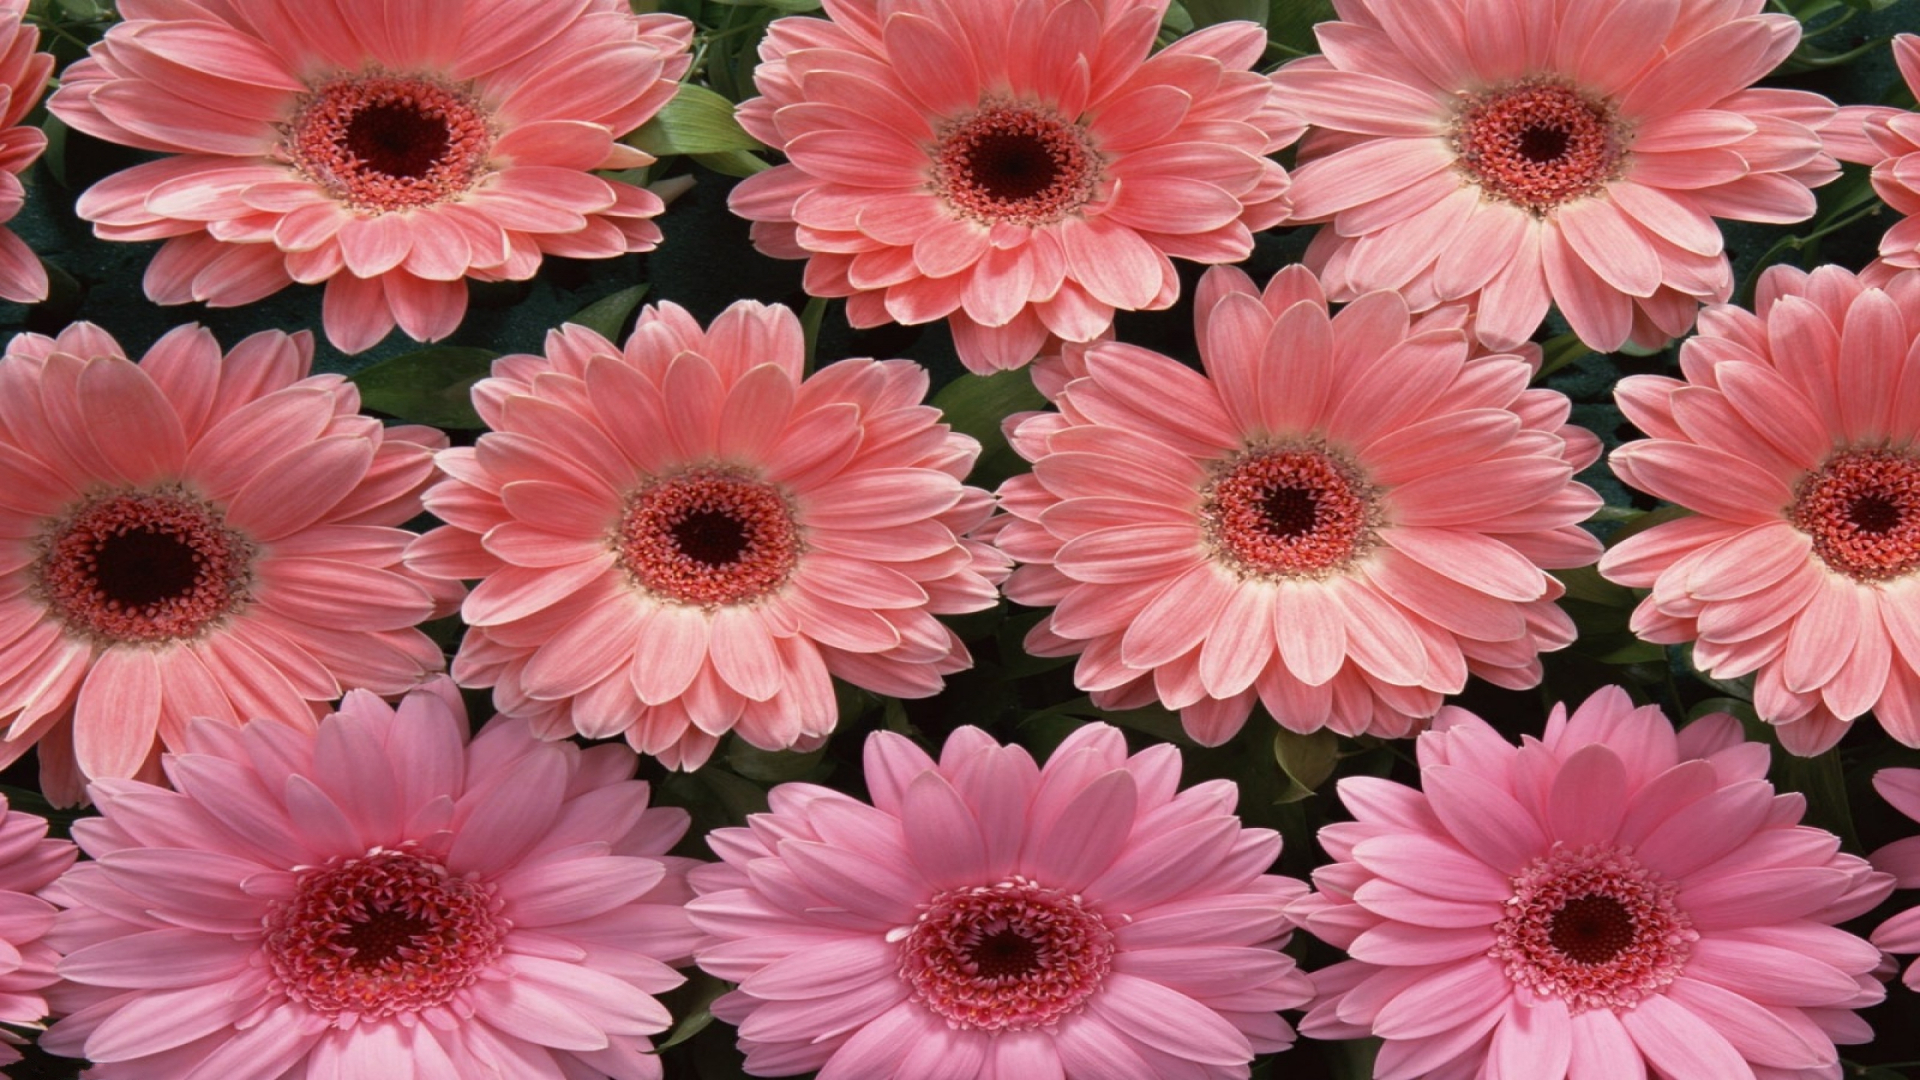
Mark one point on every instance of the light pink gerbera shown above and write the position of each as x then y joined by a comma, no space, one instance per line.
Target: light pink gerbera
379,898
1608,902
1795,439
689,536
23,75
1019,168
31,863
1529,152
1341,519
1893,138
987,918
195,535
389,150
1901,858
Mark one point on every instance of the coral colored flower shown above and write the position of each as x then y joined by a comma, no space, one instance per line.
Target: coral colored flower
32,862
377,898
23,75
1795,440
1342,518
987,918
1901,858
688,537
1608,901
1528,152
195,535
389,150
1894,139
1020,168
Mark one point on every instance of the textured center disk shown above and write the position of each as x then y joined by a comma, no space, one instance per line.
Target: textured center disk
380,142
1014,162
1289,513
1006,957
144,566
1862,509
1594,928
388,932
708,537
1538,144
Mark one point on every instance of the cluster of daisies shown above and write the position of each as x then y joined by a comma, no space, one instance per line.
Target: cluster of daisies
305,863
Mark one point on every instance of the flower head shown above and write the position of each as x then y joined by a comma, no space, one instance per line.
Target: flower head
23,76
377,897
1901,858
1083,920
31,864
1892,147
389,151
1609,900
1527,153
1794,438
195,535
1021,168
1341,518
687,536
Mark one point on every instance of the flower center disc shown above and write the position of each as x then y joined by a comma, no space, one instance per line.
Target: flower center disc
1594,928
1539,144
1862,509
708,537
385,933
1289,513
1015,163
381,142
1010,956
143,566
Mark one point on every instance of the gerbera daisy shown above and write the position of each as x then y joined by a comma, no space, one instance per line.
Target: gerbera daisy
689,536
389,150
1795,439
377,898
988,918
1608,901
195,535
31,863
1018,167
1529,152
23,75
1901,933
1342,518
1894,140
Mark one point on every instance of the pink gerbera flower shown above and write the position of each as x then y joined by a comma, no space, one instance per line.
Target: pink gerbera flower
1795,439
23,75
1342,518
1529,152
987,918
1018,167
389,150
1608,901
195,535
1901,933
1894,140
689,536
378,898
32,862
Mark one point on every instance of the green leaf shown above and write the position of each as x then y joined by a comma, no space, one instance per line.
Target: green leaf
427,386
1585,583
696,121
1306,759
739,163
1559,351
608,315
771,766
976,404
1208,12
1290,24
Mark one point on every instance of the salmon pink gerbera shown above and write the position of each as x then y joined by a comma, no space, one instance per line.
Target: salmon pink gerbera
29,862
1893,139
379,897
689,536
1019,168
987,918
1341,519
389,150
195,535
1901,858
1528,152
23,75
1610,900
1795,440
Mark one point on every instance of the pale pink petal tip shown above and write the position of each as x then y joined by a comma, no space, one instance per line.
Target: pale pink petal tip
372,889
1051,919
